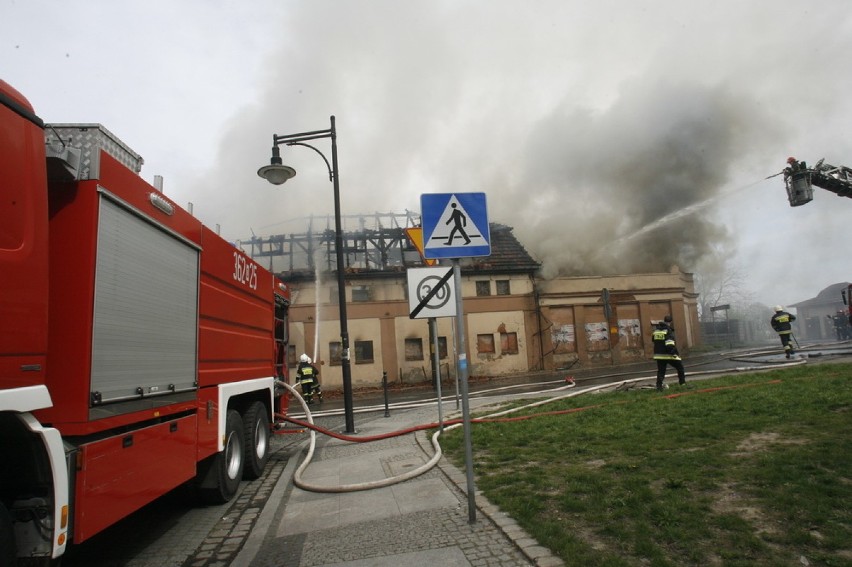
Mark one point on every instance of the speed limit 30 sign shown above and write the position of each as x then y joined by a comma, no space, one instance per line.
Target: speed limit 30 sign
431,293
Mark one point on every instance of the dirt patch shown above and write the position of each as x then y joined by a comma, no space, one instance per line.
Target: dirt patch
590,538
728,500
757,442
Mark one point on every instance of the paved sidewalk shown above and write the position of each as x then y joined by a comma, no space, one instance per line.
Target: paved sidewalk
421,521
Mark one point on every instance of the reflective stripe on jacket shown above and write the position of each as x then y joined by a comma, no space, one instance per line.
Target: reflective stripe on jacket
664,343
781,322
306,373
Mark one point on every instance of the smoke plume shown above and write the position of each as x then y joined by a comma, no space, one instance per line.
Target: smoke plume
583,126
599,178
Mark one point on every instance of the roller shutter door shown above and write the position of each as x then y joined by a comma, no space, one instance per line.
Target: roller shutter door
146,308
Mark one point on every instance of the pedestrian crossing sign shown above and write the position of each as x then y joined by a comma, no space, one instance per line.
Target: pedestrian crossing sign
455,225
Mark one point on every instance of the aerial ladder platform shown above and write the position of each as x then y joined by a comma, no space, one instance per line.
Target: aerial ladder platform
800,180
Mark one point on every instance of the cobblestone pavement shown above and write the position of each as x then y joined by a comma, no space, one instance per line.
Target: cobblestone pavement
173,533
221,545
442,531
482,544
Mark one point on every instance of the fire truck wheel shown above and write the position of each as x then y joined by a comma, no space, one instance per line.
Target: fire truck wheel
222,478
256,428
7,538
231,470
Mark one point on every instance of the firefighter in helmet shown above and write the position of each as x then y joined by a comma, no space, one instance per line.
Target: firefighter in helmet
794,166
307,376
781,323
665,352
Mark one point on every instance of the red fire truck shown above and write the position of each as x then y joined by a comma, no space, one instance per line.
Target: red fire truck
138,349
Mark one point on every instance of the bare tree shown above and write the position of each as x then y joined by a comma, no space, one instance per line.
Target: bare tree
723,285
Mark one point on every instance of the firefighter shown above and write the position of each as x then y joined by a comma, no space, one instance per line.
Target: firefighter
841,326
307,376
665,352
794,166
781,322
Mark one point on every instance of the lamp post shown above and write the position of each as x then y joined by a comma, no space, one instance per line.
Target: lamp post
277,173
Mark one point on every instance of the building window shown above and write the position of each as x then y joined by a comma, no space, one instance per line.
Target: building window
361,293
413,349
483,288
363,352
509,343
597,336
630,333
291,355
485,344
334,353
562,333
332,295
442,348
502,287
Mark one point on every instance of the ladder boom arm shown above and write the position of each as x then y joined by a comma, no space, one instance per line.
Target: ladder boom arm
834,178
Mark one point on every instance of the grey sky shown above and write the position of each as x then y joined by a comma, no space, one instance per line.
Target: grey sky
583,123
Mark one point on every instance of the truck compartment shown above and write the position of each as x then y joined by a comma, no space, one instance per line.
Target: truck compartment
118,475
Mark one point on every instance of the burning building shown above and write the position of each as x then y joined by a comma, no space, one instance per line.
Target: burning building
516,320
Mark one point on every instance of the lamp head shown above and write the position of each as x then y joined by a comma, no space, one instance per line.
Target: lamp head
276,173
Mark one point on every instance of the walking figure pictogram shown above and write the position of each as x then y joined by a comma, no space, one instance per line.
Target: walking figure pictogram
460,221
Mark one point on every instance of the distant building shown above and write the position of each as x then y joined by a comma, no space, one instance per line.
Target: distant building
515,321
815,316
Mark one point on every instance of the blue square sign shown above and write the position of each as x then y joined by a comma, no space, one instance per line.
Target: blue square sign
455,225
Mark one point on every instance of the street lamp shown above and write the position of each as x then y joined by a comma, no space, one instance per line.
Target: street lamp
277,173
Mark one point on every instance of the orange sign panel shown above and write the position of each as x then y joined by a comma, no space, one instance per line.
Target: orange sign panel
415,235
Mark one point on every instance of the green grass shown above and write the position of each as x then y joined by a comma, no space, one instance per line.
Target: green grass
744,470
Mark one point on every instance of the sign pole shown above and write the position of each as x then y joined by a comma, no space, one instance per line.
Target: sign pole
436,363
455,352
462,372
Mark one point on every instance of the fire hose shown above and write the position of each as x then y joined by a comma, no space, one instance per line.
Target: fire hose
299,481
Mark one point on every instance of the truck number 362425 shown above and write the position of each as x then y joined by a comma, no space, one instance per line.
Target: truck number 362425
245,272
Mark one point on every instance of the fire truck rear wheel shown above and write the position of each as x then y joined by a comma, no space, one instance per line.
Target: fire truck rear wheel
222,479
256,428
7,538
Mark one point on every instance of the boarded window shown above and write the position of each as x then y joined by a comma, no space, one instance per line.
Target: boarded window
562,333
363,352
509,343
597,330
483,288
335,352
629,326
414,349
442,348
361,293
332,295
502,287
485,344
291,356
